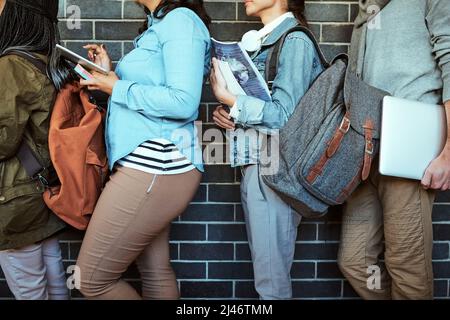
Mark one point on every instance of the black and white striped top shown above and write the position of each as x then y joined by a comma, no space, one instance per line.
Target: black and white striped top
157,156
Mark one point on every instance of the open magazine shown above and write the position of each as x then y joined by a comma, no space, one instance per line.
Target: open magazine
240,73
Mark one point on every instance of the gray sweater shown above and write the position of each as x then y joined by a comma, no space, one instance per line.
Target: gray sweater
409,55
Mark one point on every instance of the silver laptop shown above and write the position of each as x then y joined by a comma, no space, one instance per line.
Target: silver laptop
412,135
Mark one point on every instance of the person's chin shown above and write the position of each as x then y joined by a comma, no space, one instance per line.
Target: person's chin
250,9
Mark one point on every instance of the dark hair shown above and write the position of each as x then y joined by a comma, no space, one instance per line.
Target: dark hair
168,5
22,29
297,7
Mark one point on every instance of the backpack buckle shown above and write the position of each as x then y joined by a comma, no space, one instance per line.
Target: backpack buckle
345,125
39,176
369,147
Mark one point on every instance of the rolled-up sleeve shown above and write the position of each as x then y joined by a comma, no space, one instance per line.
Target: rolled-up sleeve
184,45
438,19
296,66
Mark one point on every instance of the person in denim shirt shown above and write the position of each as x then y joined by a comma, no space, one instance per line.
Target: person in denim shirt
271,223
152,149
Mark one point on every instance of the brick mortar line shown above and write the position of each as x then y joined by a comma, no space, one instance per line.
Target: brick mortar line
132,20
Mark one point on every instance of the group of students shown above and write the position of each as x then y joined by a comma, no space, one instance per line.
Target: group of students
155,91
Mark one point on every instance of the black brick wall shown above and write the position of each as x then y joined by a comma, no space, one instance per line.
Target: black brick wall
209,248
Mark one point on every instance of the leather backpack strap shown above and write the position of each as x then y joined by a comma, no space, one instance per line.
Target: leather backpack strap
274,53
338,137
369,149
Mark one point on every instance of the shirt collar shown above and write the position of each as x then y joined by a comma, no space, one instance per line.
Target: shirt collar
279,31
152,19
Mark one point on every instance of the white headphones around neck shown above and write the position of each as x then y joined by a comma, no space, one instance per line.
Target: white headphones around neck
253,39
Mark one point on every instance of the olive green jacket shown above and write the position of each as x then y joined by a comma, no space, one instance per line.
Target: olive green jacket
26,99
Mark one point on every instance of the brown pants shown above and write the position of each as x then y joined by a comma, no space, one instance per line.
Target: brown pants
398,211
132,222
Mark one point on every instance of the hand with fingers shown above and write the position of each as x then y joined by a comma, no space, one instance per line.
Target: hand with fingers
99,55
222,118
101,82
219,87
437,175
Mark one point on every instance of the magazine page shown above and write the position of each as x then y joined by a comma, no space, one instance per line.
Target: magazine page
239,71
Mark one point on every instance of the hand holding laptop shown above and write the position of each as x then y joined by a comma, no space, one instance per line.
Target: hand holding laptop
413,142
437,175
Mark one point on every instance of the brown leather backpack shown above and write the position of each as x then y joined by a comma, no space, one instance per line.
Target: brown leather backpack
77,150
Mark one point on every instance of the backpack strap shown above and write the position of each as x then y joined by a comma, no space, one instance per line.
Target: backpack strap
31,58
28,159
274,53
30,162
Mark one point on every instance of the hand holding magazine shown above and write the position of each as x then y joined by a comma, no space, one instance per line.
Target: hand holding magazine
240,73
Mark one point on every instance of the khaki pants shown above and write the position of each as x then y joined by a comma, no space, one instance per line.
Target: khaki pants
272,230
398,211
131,222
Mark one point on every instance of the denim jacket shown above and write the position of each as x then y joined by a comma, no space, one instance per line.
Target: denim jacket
299,66
158,94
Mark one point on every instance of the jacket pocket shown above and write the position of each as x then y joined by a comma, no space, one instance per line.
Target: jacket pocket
23,210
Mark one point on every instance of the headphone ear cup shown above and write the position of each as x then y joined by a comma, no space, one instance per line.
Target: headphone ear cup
251,41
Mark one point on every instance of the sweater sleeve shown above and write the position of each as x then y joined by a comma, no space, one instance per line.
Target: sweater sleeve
438,19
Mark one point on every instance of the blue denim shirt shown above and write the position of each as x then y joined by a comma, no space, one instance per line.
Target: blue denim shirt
158,94
299,66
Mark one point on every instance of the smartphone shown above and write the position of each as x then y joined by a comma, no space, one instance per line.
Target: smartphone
82,72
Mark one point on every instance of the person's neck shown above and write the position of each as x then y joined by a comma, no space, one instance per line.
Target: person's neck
269,15
151,5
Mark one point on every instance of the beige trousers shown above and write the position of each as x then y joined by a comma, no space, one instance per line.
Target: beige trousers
398,211
131,223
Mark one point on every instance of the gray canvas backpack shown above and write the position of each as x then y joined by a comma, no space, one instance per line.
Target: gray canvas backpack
327,146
